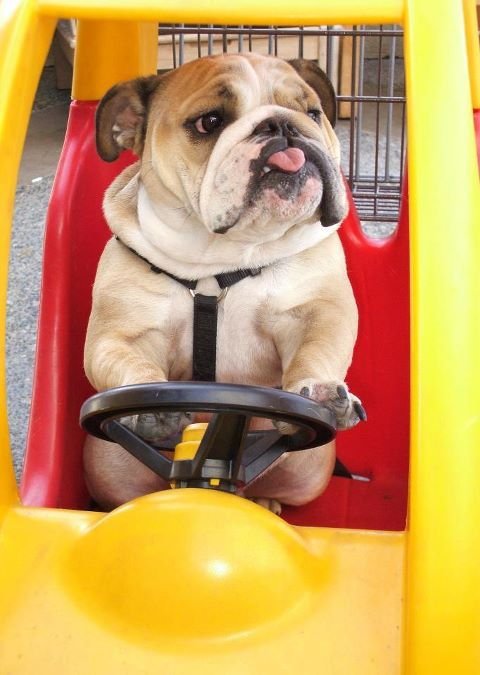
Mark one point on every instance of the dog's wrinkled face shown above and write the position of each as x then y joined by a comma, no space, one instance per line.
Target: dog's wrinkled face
243,142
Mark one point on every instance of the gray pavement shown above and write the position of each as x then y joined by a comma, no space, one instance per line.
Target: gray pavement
22,305
42,149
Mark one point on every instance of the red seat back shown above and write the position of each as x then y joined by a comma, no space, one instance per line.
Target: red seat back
380,376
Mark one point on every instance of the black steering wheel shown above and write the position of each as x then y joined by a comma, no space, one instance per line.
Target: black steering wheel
229,454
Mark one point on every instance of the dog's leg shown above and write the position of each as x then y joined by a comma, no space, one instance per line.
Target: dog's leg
113,476
295,479
272,505
315,343
115,363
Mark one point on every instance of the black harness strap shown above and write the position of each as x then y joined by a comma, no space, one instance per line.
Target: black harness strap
230,278
204,337
205,310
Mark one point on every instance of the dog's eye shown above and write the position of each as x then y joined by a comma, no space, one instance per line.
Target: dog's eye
207,124
315,114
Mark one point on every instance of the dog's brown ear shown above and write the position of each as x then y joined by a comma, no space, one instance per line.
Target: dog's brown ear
320,83
121,117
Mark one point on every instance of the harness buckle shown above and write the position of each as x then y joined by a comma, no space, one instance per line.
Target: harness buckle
219,297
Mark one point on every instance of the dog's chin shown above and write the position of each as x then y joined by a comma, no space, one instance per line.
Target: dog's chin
288,196
276,202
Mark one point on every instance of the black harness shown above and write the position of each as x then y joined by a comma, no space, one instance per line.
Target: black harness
205,311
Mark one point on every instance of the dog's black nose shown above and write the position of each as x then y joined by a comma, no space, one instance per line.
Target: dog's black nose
274,126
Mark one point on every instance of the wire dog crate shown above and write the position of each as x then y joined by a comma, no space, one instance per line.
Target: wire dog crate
365,65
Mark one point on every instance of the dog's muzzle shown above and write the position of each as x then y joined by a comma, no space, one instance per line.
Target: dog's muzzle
289,152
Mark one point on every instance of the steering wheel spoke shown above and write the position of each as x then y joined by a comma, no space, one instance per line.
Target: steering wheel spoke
262,452
139,448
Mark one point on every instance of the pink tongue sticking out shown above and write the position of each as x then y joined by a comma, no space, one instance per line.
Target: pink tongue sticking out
290,160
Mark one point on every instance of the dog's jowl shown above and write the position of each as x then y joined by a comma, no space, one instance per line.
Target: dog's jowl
238,170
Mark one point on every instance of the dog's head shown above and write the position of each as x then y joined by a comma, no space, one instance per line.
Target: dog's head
244,142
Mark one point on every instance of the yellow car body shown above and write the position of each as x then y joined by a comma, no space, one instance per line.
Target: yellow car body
200,581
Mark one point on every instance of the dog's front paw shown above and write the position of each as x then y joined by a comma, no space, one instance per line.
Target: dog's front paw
272,505
335,396
158,427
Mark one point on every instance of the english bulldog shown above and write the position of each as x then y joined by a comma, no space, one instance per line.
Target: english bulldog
238,169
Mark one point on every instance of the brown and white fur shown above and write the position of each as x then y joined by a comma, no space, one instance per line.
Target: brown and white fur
202,201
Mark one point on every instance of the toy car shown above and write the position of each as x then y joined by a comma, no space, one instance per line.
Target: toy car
198,580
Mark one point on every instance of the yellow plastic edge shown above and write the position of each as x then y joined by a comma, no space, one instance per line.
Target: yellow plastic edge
251,12
25,38
443,571
108,52
473,50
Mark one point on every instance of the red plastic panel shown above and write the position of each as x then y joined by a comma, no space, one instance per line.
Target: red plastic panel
75,236
378,450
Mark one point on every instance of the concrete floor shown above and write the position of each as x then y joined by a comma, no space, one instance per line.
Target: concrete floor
41,152
43,144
